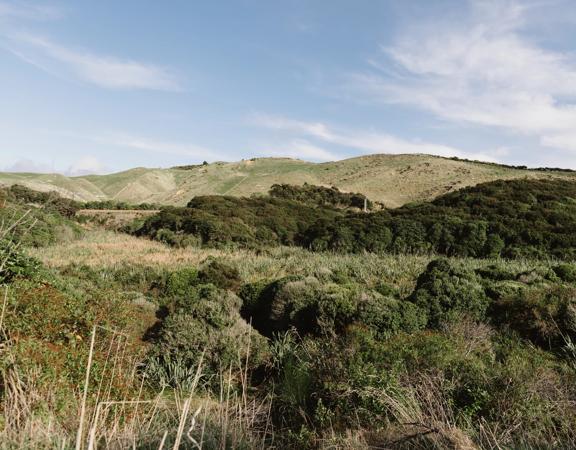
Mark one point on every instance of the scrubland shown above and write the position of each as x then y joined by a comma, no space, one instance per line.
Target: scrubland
109,340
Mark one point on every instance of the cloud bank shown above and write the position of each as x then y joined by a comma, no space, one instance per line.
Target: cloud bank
483,70
362,140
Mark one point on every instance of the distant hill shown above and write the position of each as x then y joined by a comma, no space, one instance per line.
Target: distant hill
391,179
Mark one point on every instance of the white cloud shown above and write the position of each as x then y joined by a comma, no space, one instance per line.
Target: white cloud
85,166
29,166
482,70
301,149
103,71
561,141
132,142
367,141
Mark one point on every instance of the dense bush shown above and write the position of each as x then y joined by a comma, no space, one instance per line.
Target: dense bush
320,196
181,283
220,275
230,221
51,201
117,205
514,219
311,306
206,323
503,218
566,272
38,219
448,293
387,316
544,315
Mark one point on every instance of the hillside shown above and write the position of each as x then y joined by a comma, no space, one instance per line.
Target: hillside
391,179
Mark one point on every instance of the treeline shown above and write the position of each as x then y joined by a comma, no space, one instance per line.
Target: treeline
534,218
510,166
518,218
232,221
120,206
321,196
54,202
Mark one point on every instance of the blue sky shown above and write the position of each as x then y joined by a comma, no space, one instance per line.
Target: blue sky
105,85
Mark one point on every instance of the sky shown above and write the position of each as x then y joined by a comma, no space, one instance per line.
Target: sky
105,85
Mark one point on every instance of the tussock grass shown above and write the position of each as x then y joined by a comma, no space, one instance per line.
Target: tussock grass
108,249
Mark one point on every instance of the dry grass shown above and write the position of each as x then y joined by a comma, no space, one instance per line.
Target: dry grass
391,179
107,249
134,418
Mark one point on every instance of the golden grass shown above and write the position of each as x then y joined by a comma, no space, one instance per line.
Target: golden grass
391,179
108,249
113,250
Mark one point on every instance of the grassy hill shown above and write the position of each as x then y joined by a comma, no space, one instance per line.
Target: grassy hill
392,179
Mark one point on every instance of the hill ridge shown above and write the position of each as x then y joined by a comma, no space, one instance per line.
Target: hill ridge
392,179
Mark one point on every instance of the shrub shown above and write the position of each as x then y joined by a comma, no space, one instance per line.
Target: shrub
496,272
251,295
544,315
387,316
220,275
14,263
566,272
181,283
209,325
446,293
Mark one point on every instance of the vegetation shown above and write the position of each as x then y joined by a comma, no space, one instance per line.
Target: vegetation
120,206
239,341
519,218
320,196
226,221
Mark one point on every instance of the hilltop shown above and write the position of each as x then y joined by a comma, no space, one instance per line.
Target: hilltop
391,179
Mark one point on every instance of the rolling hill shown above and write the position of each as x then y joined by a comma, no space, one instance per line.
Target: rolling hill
391,179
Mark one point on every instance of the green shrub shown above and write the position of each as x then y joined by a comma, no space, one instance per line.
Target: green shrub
544,315
447,293
387,315
181,283
209,325
566,272
220,275
498,290
251,294
312,307
496,272
14,263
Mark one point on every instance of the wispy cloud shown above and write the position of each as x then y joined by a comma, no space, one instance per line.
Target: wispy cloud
85,165
300,149
366,141
103,71
28,11
132,142
483,70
